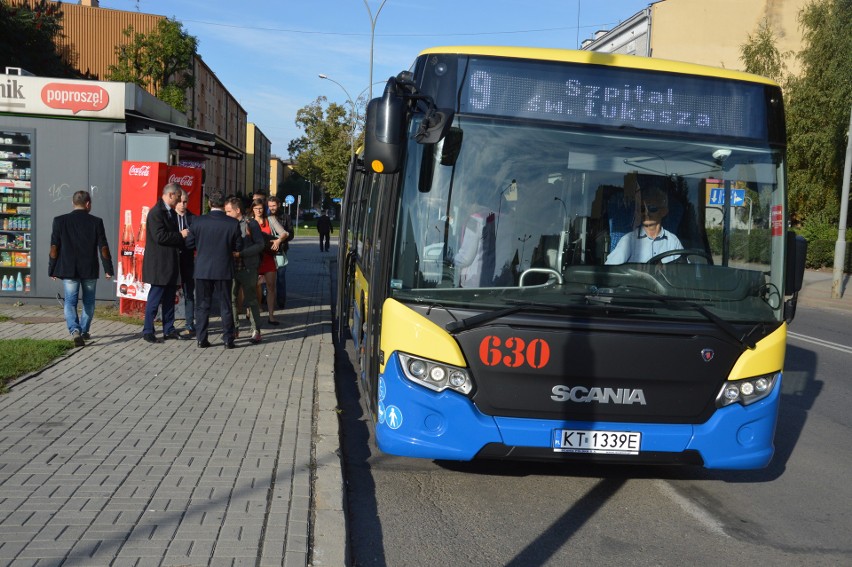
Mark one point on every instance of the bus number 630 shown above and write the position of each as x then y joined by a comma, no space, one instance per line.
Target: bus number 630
514,352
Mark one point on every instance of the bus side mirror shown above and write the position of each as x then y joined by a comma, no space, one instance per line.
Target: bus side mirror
797,252
383,133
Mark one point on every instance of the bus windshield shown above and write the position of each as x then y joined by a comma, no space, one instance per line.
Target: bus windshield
507,211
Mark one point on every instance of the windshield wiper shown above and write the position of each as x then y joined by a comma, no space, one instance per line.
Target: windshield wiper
515,307
683,302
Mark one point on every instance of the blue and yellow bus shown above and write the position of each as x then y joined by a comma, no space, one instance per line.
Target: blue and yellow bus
554,254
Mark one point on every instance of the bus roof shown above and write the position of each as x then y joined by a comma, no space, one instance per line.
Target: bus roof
596,58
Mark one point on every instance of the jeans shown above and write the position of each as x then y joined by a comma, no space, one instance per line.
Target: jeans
281,286
72,293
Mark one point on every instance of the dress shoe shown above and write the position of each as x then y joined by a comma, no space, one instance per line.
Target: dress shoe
273,323
203,344
174,335
149,338
229,345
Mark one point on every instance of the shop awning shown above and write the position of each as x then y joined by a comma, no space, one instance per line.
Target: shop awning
183,137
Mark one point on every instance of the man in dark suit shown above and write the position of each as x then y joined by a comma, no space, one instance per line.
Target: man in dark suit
187,264
161,269
325,229
216,238
77,241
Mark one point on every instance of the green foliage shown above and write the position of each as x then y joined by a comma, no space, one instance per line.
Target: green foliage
322,154
760,55
818,105
161,61
28,39
21,356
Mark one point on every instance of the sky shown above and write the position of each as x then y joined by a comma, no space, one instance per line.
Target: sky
269,53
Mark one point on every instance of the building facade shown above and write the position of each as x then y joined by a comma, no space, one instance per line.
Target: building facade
90,36
708,33
258,152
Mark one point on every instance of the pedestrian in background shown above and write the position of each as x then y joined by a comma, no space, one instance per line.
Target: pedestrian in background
324,228
280,215
161,269
187,265
77,240
246,263
267,271
216,238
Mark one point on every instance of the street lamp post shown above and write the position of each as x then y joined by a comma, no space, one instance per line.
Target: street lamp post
372,37
352,121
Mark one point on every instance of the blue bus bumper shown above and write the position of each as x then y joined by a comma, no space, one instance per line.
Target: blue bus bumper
414,421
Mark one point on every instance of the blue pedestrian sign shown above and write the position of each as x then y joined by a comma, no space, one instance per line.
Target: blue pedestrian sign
717,197
289,200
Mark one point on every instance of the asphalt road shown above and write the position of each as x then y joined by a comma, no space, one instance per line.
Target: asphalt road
795,512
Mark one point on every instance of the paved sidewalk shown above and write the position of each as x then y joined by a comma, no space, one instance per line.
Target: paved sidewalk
125,453
816,291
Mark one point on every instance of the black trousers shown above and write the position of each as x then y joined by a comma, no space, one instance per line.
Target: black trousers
207,291
324,240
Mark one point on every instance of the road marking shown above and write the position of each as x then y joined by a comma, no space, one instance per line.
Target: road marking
820,342
702,515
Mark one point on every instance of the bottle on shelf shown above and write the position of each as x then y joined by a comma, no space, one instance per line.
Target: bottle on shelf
127,265
5,283
27,283
19,283
139,249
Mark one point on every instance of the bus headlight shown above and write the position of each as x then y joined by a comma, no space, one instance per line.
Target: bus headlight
746,391
435,375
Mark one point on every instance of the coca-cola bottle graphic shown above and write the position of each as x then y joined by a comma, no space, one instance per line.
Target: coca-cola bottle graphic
139,249
127,263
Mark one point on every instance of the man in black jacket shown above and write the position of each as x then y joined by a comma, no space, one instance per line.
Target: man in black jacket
246,263
324,228
187,264
161,269
77,241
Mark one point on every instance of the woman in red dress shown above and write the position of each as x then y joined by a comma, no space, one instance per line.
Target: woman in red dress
267,271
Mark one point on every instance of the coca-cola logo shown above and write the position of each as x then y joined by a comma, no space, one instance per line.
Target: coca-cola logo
75,97
183,180
139,170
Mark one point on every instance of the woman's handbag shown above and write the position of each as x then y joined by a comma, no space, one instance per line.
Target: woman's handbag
281,259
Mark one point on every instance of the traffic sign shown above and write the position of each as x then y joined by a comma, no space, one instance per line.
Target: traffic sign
289,200
717,197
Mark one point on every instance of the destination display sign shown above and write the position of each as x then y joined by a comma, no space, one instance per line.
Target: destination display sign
614,97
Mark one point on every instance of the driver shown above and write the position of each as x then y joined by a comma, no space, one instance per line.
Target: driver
649,238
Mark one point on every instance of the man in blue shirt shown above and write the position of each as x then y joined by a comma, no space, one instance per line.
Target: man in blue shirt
649,238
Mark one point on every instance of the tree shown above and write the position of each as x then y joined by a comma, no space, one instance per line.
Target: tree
818,103
761,56
322,154
160,61
28,39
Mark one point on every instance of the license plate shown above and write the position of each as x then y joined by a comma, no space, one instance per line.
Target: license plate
597,442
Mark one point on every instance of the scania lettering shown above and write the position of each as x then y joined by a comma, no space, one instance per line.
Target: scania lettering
503,293
601,395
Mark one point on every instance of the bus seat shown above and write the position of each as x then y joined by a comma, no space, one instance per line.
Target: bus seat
620,215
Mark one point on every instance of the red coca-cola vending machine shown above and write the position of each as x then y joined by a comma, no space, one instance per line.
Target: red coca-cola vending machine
141,187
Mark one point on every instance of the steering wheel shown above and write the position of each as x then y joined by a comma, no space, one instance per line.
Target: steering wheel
684,254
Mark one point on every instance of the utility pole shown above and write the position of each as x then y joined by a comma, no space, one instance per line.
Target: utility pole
840,245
